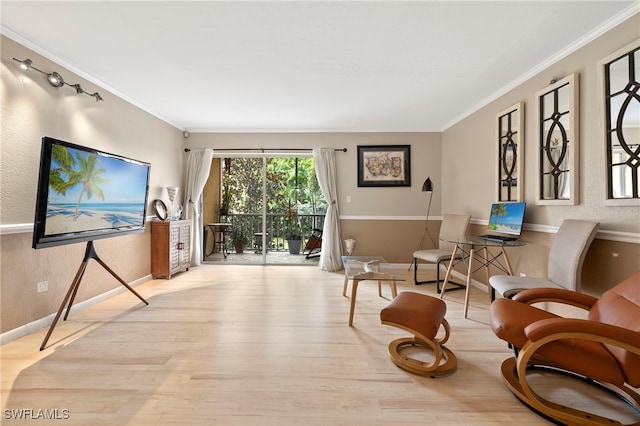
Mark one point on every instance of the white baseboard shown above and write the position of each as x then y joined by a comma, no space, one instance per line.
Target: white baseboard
40,323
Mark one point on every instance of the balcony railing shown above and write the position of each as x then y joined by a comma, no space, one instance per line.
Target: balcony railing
278,229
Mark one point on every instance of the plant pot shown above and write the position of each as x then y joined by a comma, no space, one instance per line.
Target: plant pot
240,248
294,246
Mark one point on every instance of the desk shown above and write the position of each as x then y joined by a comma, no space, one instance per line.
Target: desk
485,259
219,241
361,268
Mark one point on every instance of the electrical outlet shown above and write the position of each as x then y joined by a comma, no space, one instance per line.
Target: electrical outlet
42,286
522,274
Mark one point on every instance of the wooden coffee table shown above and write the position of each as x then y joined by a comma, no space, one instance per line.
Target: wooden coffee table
364,268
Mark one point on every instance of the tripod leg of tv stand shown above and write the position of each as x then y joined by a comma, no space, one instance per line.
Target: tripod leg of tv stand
121,281
73,288
69,298
76,281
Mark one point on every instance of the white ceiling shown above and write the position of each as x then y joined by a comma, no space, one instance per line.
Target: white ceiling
308,66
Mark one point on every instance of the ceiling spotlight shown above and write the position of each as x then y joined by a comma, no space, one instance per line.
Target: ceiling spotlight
98,97
78,88
55,79
26,64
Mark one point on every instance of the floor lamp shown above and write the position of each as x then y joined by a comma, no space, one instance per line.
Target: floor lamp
427,186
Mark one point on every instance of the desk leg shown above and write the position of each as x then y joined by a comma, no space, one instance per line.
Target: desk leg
506,261
449,268
466,295
346,282
486,268
379,288
354,290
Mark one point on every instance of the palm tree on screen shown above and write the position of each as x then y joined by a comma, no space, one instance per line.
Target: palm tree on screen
89,176
64,162
499,211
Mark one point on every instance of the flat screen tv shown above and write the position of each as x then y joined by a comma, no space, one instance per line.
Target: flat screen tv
507,218
85,194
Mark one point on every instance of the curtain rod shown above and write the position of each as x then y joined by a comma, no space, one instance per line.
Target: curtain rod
268,149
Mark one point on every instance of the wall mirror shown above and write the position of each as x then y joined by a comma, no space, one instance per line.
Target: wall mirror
160,208
510,139
557,120
620,79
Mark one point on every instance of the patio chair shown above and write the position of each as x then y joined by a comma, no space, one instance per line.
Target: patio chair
314,244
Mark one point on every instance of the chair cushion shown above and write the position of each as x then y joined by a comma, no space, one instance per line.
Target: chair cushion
509,320
433,256
509,285
415,311
621,306
510,327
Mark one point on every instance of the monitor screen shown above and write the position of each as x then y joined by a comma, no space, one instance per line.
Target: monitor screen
85,194
507,218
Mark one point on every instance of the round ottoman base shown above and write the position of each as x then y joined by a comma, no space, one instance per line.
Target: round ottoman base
434,369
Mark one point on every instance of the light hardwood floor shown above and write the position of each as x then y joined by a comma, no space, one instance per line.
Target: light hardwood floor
253,345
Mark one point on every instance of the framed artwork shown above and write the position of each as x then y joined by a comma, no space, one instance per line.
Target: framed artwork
558,142
510,141
619,74
384,165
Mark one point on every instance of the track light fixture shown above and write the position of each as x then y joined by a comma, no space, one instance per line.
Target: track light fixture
25,65
56,79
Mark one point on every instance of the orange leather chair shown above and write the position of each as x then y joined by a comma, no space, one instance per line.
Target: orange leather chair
604,348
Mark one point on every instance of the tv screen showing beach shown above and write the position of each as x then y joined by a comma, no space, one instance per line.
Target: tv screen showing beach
86,194
507,218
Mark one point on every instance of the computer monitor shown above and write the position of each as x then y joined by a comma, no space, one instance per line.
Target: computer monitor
506,218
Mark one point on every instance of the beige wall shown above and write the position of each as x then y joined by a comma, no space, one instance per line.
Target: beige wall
469,158
469,147
402,202
31,109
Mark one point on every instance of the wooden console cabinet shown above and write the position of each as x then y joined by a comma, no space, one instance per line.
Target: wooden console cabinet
170,247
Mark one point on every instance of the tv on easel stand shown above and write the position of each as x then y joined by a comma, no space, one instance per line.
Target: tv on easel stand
83,195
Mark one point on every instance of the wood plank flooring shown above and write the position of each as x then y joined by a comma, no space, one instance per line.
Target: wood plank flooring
252,345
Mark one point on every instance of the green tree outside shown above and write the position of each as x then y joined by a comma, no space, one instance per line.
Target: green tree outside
289,194
283,188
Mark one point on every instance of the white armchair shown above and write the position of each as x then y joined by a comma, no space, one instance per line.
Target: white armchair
566,258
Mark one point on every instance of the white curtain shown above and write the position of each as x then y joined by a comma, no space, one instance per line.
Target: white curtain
198,168
325,164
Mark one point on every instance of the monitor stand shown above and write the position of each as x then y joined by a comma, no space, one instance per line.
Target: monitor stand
90,253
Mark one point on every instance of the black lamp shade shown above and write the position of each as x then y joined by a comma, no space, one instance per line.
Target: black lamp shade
427,186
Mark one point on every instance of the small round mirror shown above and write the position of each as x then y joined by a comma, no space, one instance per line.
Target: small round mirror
161,209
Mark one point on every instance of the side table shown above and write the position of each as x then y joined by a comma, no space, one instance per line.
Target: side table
361,268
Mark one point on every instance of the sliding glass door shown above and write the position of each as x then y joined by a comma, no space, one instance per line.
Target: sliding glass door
271,205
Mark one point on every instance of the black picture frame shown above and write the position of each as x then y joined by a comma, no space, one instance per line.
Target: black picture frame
384,165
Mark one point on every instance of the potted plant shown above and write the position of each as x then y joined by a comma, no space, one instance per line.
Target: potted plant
294,238
239,240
